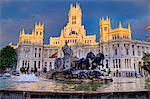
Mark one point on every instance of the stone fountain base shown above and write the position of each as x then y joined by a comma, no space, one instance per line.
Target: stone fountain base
77,81
87,76
13,94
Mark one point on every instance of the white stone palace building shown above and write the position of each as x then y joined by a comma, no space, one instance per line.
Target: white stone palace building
122,54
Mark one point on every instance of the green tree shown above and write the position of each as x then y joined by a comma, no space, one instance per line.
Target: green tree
8,57
146,59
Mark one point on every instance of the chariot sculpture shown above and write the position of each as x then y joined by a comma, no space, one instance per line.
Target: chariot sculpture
70,67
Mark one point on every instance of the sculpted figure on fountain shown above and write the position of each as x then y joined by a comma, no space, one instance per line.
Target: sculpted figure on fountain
90,67
68,54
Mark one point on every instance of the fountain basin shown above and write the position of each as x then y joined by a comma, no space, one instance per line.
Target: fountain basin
19,94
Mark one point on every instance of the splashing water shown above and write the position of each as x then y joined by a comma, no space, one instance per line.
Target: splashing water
28,78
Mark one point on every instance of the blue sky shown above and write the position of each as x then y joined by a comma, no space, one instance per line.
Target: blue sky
18,14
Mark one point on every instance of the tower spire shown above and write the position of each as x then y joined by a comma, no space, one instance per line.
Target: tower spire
36,24
71,6
109,21
23,30
77,5
120,25
102,19
129,27
107,18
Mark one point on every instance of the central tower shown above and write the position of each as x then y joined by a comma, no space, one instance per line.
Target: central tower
73,32
74,25
75,15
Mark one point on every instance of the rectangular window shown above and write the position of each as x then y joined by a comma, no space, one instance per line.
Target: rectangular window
119,63
45,63
73,22
130,63
125,63
25,63
116,63
114,74
34,63
40,33
133,53
139,53
113,63
75,40
105,28
106,63
39,65
22,63
50,64
39,55
138,50
35,55
116,53
118,45
120,74
72,17
28,63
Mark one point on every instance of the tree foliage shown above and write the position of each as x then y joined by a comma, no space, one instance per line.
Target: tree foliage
8,57
146,59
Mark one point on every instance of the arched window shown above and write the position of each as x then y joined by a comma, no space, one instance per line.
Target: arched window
90,41
113,63
39,49
73,19
127,52
23,63
39,64
116,53
118,36
75,40
40,33
105,28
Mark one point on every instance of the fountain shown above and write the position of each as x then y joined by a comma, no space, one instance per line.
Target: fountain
84,78
27,78
71,68
6,75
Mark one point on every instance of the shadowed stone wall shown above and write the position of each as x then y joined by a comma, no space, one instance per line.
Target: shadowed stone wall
4,94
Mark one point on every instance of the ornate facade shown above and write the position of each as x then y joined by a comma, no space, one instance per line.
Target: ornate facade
107,33
148,35
122,54
36,37
74,31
